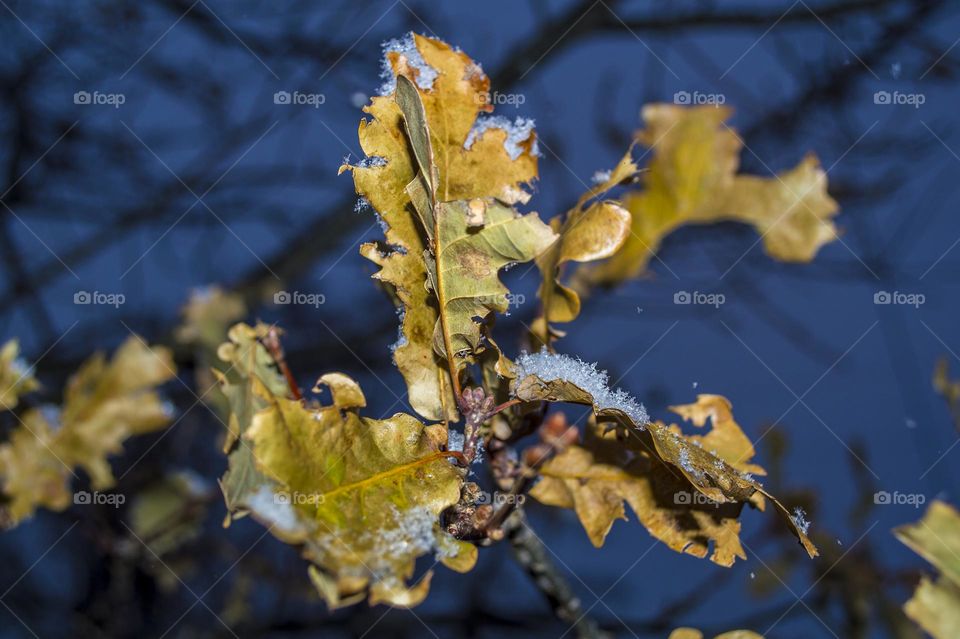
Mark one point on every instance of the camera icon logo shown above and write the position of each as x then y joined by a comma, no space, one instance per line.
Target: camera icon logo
683,498
681,97
281,97
882,297
881,97
881,498
82,297
81,97
281,297
281,498
682,297
82,498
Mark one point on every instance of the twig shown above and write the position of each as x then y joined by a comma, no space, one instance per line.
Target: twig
534,558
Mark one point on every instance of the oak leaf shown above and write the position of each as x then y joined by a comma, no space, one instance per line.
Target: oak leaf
692,179
935,605
248,365
587,233
16,379
659,459
474,157
104,403
362,496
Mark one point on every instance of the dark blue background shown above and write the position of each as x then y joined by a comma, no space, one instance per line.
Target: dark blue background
107,208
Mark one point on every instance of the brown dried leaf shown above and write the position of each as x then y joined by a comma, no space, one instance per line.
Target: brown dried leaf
712,472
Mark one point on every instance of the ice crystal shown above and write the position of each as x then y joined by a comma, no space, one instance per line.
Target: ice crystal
552,366
600,177
401,338
687,465
362,205
518,131
406,47
382,222
372,162
800,520
455,441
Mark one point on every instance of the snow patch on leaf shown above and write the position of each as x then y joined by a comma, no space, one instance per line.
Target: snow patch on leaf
406,47
800,520
401,338
372,162
275,510
600,177
553,366
518,131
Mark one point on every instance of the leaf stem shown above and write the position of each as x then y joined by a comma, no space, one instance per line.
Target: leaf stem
272,343
442,304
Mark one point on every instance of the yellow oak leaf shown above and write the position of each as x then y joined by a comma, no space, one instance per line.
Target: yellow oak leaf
935,605
586,234
32,474
465,274
596,478
474,157
16,379
362,496
246,364
714,472
104,403
692,179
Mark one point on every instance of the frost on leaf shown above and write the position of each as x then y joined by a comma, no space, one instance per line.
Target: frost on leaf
361,496
687,490
693,179
935,605
571,375
454,92
519,132
16,378
592,230
104,403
